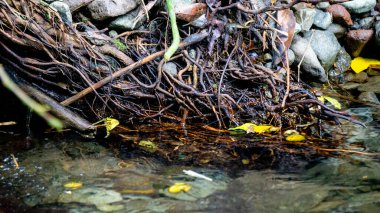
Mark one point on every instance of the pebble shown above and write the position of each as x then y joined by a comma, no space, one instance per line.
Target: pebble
63,10
359,6
372,85
338,30
305,18
322,19
369,97
170,68
358,78
323,5
377,33
104,9
128,21
367,23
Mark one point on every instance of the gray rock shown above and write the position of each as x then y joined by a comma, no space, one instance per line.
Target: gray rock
377,32
322,19
103,9
371,86
367,23
358,78
325,45
76,4
310,64
369,97
200,22
170,68
338,30
350,86
256,4
305,18
323,5
99,197
343,60
359,6
128,21
63,10
113,34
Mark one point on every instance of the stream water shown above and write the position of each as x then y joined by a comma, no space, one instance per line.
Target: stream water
117,175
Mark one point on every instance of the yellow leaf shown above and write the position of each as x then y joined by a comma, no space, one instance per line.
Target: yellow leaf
73,185
179,187
111,123
360,64
245,161
332,101
295,137
243,127
321,99
260,129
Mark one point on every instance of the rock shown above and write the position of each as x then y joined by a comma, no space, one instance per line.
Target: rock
322,19
305,18
325,45
350,86
366,23
112,34
63,10
369,97
256,4
170,68
356,40
103,9
128,21
358,78
300,6
310,64
371,86
99,197
359,6
76,4
343,60
338,30
200,22
340,14
323,5
377,33
373,72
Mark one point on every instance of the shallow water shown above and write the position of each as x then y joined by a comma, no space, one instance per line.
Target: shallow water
249,173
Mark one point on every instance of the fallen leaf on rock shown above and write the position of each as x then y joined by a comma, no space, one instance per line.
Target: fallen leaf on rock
179,187
360,64
252,128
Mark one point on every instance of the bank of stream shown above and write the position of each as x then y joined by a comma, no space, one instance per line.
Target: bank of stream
119,175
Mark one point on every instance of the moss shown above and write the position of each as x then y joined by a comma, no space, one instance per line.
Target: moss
119,45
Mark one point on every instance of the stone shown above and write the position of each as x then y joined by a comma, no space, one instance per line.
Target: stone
323,5
112,34
322,19
63,10
291,56
170,68
358,78
366,23
369,97
128,21
103,199
77,4
359,6
340,14
300,6
310,64
356,40
305,18
200,22
104,9
325,45
350,86
372,85
343,60
338,30
377,33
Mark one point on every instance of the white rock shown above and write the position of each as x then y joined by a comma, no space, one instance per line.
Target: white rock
104,9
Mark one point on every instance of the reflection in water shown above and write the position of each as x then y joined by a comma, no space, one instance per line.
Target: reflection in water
120,176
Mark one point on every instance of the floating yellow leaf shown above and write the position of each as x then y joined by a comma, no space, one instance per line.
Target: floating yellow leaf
360,64
332,101
243,127
148,146
73,185
252,128
179,187
295,137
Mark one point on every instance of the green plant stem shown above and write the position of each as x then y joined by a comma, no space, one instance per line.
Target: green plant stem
175,33
36,107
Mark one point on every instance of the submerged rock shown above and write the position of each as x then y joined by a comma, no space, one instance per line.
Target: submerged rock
76,4
103,9
369,97
103,199
371,86
359,6
357,39
325,45
128,21
310,64
338,30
